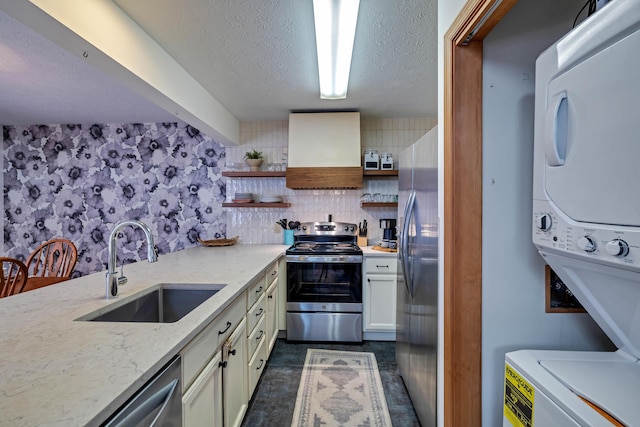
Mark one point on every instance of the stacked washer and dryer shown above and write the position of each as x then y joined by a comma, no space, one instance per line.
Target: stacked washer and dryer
586,222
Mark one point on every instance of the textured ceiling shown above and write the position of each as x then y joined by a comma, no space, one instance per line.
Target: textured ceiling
256,58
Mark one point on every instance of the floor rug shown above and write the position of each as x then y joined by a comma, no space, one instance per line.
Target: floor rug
341,389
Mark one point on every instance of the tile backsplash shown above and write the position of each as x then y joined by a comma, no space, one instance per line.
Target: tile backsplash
258,225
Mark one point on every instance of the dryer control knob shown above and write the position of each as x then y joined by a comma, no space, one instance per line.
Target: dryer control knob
617,247
543,222
587,244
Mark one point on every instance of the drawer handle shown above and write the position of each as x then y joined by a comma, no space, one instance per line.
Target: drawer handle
261,363
222,364
382,266
259,290
261,334
270,296
258,314
225,329
232,352
273,273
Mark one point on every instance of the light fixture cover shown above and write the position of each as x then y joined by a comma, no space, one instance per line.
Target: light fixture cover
335,22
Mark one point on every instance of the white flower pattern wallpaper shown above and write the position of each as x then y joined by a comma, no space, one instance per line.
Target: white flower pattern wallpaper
78,181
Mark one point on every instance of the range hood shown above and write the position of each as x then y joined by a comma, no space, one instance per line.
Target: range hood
324,151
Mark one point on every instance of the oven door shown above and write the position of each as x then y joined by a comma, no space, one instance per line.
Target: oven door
326,286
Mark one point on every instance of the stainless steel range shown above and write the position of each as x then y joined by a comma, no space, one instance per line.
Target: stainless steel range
324,283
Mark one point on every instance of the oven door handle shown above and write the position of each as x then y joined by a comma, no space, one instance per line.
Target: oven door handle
404,244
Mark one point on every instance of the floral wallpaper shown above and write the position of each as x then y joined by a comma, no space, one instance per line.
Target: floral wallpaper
78,181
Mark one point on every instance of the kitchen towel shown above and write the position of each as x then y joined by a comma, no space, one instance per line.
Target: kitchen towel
340,388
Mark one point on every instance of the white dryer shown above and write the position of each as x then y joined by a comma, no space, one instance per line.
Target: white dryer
586,222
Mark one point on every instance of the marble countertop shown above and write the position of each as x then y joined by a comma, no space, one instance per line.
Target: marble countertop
369,251
57,371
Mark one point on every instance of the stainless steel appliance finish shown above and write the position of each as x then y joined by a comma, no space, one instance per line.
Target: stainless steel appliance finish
417,309
324,283
157,404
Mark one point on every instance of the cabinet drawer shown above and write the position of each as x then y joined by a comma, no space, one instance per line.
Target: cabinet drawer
256,365
254,292
271,275
381,265
198,352
256,335
256,313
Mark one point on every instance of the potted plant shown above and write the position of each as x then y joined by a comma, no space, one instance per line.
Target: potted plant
253,159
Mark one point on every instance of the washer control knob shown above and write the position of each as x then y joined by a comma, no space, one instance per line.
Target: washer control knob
587,244
543,222
617,247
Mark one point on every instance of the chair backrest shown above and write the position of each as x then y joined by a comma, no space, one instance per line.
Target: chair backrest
53,258
13,276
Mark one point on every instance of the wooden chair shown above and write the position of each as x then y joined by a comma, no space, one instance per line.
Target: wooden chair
53,258
13,276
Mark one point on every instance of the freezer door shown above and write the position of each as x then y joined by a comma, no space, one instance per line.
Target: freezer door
424,306
403,303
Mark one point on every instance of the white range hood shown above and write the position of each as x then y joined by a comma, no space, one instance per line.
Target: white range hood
324,150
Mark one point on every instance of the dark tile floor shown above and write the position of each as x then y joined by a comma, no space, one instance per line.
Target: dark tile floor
275,396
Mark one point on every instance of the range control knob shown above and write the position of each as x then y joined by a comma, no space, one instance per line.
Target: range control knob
304,228
543,222
346,228
587,244
617,247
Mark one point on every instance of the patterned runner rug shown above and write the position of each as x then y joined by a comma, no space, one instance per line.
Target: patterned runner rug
341,389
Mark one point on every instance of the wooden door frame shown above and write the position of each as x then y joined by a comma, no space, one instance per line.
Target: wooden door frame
463,209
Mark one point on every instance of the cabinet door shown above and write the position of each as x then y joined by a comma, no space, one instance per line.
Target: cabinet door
272,315
282,295
202,403
235,376
380,302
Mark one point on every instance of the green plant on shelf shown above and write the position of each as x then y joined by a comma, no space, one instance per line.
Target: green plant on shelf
253,155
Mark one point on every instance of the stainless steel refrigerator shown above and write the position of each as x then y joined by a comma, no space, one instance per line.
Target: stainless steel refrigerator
417,305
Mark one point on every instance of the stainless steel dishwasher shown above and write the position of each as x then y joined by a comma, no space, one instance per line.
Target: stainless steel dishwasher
157,404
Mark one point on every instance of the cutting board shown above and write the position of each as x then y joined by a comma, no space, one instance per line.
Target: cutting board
380,248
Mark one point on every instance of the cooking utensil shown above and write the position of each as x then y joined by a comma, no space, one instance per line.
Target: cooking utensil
282,223
294,224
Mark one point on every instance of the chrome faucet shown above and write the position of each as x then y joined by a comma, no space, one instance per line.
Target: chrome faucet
152,255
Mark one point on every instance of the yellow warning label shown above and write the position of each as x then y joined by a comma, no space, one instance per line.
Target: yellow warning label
518,398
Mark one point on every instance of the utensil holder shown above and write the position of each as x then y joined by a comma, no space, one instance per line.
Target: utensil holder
362,241
288,237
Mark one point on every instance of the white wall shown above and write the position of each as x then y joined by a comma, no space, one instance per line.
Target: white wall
513,273
258,225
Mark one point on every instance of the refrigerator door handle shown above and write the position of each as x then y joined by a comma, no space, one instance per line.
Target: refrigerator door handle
404,248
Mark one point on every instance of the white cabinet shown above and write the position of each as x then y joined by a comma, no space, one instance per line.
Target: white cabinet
235,379
272,314
221,366
282,295
380,297
202,402
202,368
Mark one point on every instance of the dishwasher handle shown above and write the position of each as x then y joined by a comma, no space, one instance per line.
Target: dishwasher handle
155,405
157,402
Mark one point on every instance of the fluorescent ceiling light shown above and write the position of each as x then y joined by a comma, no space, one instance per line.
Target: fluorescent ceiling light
335,22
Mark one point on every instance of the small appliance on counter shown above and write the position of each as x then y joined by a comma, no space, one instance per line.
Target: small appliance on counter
371,160
389,238
386,161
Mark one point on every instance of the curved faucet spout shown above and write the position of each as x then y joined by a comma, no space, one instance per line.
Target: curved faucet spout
152,253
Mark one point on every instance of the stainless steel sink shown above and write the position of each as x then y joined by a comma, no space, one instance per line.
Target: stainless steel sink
163,303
